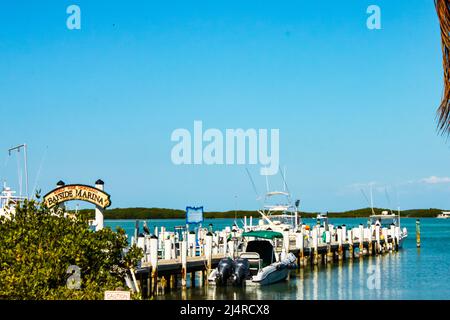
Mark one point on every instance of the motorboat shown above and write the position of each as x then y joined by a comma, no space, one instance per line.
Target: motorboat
386,220
444,215
279,213
9,201
258,264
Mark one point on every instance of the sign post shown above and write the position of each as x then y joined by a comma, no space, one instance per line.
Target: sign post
194,215
99,184
95,195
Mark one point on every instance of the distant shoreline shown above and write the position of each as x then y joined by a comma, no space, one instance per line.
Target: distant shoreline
164,213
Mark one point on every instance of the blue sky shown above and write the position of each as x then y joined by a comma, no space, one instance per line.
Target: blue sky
354,106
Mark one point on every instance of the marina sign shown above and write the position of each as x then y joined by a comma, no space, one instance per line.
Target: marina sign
194,215
77,192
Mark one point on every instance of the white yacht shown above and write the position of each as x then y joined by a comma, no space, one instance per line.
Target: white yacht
386,220
279,213
444,215
9,201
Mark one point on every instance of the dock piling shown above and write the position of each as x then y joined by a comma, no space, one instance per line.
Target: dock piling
183,262
154,259
418,233
361,241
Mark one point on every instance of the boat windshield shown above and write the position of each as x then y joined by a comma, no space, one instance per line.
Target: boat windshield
384,221
283,219
265,250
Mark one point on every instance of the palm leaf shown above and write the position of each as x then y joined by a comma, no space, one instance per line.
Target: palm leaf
443,112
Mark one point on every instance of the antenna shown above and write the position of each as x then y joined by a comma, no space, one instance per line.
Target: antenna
235,208
371,198
364,194
24,147
284,181
267,184
388,199
258,197
39,172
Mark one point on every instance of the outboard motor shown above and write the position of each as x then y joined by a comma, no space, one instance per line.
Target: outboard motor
241,271
224,270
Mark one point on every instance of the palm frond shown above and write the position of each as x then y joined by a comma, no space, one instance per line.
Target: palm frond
443,112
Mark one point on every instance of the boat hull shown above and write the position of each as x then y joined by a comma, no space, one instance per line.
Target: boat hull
271,277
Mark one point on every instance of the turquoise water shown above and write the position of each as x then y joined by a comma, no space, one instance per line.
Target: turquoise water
411,273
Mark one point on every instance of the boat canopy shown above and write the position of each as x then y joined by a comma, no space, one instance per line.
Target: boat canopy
265,234
276,193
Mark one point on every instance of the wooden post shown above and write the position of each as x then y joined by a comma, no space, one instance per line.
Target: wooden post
99,184
344,233
370,247
215,247
315,240
377,238
154,260
418,233
340,237
183,262
361,241
62,206
350,244
136,231
191,243
224,243
167,249
384,232
173,246
208,251
286,243
299,243
392,246
329,255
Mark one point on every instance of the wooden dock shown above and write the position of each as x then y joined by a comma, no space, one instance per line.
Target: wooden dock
167,261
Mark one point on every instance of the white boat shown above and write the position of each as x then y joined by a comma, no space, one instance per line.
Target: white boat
279,213
444,215
9,201
257,265
386,220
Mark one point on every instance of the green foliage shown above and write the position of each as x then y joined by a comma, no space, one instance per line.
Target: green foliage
38,246
162,213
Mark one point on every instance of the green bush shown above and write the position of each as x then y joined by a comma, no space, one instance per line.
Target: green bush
37,246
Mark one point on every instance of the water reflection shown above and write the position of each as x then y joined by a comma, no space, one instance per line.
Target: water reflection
408,274
326,282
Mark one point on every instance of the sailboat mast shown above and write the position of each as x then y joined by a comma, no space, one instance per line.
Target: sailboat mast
371,199
24,146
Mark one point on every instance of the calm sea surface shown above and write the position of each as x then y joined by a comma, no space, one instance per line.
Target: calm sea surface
409,274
